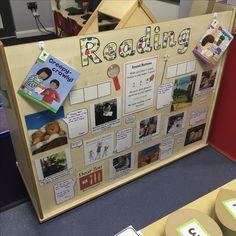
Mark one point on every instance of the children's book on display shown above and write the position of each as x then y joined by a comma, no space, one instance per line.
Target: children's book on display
48,82
213,43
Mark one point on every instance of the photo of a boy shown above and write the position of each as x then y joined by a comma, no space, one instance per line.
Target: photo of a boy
36,81
50,94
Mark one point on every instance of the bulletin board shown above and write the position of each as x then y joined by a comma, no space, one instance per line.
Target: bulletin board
142,100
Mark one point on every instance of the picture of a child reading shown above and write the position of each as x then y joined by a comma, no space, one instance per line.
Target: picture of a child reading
50,94
35,81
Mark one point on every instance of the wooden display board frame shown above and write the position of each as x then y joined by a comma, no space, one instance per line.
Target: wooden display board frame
164,53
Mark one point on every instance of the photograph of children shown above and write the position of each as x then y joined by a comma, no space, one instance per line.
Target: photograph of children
183,92
147,129
98,148
175,123
148,155
53,166
121,165
194,134
207,80
105,114
46,130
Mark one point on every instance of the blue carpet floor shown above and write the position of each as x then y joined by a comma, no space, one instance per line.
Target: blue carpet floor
138,203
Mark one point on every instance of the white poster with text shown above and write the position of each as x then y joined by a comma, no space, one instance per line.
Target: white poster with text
139,84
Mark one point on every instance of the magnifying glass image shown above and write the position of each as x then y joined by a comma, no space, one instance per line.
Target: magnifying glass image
112,72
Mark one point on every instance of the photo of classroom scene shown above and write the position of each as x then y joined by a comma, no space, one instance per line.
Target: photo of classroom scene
148,155
175,123
105,112
183,92
46,130
194,134
148,127
53,164
207,80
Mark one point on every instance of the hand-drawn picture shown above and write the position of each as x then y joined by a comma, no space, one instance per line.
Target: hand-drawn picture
147,128
121,165
194,134
105,114
148,155
98,148
53,166
46,130
207,79
183,92
175,123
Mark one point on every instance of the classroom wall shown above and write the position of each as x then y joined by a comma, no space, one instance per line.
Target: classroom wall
24,22
1,24
163,10
184,8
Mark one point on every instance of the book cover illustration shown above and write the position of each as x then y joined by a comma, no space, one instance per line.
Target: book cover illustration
183,92
48,82
213,43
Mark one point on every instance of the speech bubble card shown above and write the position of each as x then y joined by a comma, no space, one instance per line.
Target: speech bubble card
77,122
64,190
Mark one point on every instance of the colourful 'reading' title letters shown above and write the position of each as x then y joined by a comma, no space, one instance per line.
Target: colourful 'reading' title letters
90,46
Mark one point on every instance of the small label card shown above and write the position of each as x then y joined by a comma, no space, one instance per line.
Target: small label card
230,206
129,231
192,228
